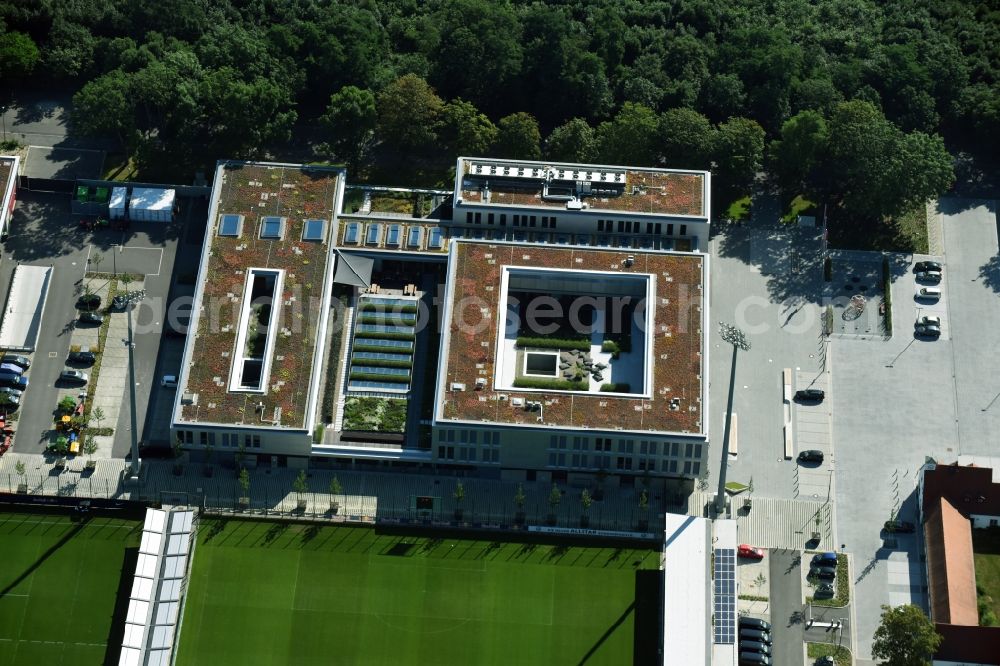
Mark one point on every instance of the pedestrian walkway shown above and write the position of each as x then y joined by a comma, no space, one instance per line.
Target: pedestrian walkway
784,523
365,496
935,229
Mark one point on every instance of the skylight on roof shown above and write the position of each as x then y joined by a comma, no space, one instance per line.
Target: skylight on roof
351,233
272,226
312,230
435,241
230,225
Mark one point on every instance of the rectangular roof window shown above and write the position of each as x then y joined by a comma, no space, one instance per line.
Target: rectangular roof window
395,232
374,230
351,232
414,236
272,226
435,241
312,230
230,225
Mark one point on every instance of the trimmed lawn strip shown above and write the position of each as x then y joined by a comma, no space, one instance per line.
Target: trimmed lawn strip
65,577
355,595
986,553
842,585
838,652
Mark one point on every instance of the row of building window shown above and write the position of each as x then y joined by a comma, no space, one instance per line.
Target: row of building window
229,440
469,437
548,221
646,447
634,226
468,454
623,463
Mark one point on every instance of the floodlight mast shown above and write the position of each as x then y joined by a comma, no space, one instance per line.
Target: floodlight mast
131,298
738,340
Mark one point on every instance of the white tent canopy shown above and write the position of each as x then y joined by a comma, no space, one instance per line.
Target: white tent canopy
152,204
116,205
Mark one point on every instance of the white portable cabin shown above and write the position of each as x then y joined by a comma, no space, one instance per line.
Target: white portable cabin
117,202
152,204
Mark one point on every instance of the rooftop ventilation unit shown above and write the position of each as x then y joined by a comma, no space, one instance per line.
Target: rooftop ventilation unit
480,383
457,386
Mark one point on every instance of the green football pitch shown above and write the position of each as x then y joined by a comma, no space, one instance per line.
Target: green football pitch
280,593
59,580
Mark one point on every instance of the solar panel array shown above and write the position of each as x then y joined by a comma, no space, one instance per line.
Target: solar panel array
724,608
157,588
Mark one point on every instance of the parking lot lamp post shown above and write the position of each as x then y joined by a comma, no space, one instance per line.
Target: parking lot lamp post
738,340
131,298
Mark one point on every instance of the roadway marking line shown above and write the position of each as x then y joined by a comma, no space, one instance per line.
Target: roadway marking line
159,262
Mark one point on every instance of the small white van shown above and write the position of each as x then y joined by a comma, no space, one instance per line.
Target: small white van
929,293
169,381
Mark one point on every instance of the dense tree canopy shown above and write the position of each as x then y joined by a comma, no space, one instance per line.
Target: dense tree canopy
228,77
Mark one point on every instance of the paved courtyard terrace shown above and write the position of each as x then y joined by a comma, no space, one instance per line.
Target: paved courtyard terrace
659,385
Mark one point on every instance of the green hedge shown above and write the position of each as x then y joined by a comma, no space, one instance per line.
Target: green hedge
620,387
361,346
372,377
405,309
383,362
551,384
887,295
384,336
554,343
387,319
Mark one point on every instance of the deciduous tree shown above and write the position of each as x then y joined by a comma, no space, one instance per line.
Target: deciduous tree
408,113
464,130
519,137
350,121
572,141
905,637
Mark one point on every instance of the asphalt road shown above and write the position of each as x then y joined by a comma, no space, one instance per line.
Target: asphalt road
42,119
150,316
786,607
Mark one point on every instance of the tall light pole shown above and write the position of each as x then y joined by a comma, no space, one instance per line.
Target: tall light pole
129,299
738,340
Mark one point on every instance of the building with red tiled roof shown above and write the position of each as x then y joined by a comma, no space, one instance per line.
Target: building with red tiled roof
954,500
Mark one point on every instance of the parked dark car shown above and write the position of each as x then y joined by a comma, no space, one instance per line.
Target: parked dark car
927,330
812,455
828,559
16,359
88,302
19,382
91,318
899,526
929,276
11,367
824,591
754,623
823,572
810,395
82,357
921,266
11,392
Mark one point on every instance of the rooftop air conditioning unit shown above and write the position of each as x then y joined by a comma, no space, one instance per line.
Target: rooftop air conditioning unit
574,204
189,399
502,397
480,383
457,386
517,402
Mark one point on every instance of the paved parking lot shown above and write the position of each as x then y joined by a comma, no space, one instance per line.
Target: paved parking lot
813,432
777,304
900,400
43,232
